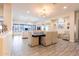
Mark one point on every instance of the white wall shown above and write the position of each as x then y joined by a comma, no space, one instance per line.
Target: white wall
6,37
71,20
51,25
8,16
72,27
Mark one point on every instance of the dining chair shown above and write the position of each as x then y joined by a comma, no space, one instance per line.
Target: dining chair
32,41
49,39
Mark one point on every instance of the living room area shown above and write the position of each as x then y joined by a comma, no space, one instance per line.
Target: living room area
41,29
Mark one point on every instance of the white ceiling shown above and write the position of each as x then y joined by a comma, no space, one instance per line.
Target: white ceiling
29,12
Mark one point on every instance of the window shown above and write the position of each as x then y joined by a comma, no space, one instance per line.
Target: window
60,23
45,27
23,27
16,28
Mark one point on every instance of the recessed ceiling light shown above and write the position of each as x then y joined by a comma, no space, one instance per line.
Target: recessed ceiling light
65,7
